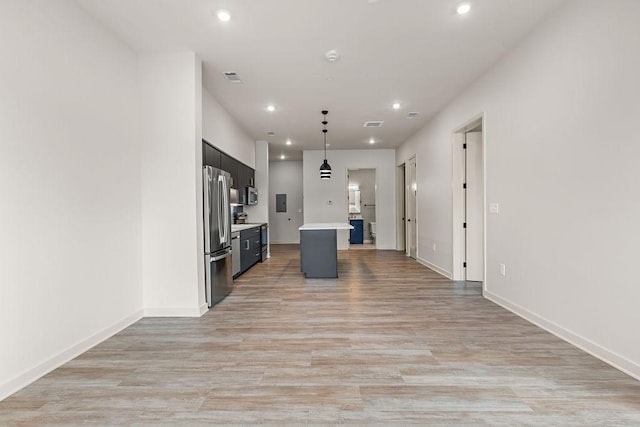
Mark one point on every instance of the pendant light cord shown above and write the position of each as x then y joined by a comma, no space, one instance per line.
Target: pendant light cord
324,130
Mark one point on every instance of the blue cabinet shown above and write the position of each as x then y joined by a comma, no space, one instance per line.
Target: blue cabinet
356,236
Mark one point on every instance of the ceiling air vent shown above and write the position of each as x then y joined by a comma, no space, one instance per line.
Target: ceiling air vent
271,133
373,124
232,76
412,115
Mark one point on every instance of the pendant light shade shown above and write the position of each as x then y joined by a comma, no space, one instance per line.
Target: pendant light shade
325,169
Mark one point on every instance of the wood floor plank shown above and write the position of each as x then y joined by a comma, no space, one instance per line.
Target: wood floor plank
389,342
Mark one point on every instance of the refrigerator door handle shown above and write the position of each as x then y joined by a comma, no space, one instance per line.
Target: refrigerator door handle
221,218
206,182
227,208
219,257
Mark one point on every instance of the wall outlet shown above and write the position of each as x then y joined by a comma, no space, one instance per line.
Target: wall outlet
434,247
503,269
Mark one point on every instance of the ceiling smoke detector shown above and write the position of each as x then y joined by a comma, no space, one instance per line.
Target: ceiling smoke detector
373,124
271,133
332,55
412,115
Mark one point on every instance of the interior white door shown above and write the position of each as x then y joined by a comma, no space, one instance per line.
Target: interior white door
474,207
411,195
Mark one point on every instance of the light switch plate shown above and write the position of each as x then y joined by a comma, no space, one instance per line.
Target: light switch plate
494,208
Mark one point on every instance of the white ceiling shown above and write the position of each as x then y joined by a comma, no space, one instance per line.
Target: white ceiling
417,52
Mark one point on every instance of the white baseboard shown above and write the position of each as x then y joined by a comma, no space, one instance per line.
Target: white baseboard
297,242
619,362
435,268
204,308
173,311
24,379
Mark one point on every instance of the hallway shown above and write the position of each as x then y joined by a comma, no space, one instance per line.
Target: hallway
389,342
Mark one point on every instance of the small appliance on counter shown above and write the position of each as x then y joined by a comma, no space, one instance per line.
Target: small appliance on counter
240,218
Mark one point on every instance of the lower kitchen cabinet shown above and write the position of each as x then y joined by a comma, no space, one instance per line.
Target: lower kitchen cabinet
250,248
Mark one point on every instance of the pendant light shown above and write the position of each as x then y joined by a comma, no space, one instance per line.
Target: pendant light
325,169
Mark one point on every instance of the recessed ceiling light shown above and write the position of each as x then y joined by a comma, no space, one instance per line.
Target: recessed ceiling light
372,141
396,105
328,145
288,142
224,15
463,8
282,156
271,108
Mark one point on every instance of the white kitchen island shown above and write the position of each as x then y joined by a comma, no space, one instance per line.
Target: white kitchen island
319,249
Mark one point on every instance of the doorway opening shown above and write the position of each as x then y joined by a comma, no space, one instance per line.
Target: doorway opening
411,194
362,196
469,201
401,229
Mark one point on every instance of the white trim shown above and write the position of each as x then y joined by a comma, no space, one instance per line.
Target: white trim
435,268
203,308
457,195
619,362
27,377
296,242
172,312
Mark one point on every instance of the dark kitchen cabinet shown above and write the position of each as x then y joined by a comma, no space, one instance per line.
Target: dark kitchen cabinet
210,156
251,177
245,178
242,183
250,248
242,176
229,164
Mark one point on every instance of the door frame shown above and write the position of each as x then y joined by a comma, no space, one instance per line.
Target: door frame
458,201
376,186
413,158
401,225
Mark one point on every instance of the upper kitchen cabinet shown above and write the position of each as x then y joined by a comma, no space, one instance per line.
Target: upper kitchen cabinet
210,155
242,182
242,176
251,177
229,164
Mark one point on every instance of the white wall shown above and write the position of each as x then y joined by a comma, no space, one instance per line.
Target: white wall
285,177
318,193
220,129
172,248
69,188
561,159
260,211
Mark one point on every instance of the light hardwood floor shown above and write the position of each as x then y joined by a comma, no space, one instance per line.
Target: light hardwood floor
389,342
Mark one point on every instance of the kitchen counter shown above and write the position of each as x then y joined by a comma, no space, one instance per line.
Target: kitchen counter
240,227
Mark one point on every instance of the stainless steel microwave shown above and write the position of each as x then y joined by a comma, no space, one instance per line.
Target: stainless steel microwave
252,196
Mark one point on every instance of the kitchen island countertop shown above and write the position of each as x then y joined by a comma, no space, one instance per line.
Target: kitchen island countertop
240,227
326,226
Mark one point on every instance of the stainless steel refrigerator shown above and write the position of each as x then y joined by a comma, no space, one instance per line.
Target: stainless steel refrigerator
217,234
